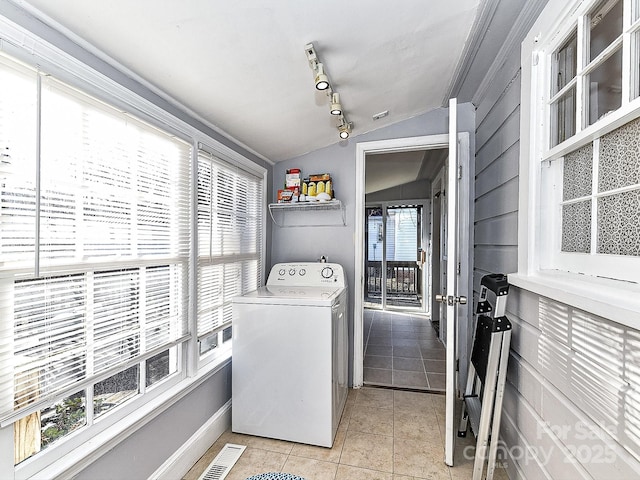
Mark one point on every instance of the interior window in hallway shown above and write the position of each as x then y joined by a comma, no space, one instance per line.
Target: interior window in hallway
403,351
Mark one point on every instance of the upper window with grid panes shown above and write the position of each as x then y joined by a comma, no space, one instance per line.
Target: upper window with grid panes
590,170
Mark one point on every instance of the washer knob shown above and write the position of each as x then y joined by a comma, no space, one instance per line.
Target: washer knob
302,272
281,271
292,272
327,272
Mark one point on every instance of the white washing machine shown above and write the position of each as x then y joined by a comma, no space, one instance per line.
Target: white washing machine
289,362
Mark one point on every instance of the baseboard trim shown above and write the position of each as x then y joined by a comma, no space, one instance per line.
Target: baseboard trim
178,464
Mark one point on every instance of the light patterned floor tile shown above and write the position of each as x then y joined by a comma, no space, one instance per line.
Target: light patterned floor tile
418,427
419,459
309,468
347,472
368,451
254,461
375,397
414,402
378,421
321,453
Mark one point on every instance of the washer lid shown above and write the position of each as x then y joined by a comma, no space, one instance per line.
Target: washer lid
291,295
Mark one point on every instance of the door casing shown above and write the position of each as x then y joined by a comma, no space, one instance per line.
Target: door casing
465,236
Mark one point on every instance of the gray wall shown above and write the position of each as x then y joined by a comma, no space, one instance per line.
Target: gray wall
140,454
418,190
571,406
337,242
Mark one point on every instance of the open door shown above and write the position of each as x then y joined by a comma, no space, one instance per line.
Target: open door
451,297
459,232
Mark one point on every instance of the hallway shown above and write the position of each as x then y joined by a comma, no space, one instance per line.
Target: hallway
403,351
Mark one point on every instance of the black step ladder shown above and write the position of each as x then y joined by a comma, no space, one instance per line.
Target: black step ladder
487,373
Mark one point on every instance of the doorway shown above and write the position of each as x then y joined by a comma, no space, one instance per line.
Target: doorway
401,347
396,250
459,188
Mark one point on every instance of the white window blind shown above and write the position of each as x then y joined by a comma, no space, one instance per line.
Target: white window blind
104,283
230,223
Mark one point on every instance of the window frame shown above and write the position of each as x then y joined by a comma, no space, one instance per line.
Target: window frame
83,447
224,348
613,299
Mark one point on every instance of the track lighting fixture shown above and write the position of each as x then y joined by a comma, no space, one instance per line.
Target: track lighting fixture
322,83
344,128
336,108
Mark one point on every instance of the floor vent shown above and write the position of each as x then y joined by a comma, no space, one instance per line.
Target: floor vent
223,463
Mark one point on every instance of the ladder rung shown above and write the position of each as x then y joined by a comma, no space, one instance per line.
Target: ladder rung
474,407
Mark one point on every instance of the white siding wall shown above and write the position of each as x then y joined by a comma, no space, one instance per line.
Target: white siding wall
572,401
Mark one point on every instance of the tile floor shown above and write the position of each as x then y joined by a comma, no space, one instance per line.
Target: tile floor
383,435
402,350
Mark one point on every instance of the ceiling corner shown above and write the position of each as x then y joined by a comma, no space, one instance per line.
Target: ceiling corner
472,46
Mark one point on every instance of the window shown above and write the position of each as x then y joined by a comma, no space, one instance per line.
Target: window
230,244
579,143
95,244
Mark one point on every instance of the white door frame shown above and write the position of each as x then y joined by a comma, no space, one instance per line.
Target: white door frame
429,142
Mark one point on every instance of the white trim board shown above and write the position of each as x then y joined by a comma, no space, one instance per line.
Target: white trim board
178,464
362,149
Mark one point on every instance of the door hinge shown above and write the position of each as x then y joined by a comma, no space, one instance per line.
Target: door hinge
459,171
459,269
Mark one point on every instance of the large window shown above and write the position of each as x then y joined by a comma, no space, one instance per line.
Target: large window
580,188
94,248
230,244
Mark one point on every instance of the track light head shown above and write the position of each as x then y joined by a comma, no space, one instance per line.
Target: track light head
336,108
345,129
322,81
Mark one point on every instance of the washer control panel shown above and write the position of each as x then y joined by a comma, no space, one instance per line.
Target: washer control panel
307,274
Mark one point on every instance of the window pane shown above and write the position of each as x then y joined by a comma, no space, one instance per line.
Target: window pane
208,344
565,64
115,390
606,26
18,96
576,227
111,186
577,175
226,334
619,164
40,429
619,224
605,87
161,366
62,418
229,216
116,318
165,319
49,336
563,117
635,10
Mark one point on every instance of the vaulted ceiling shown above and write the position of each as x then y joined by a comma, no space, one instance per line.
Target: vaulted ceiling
241,66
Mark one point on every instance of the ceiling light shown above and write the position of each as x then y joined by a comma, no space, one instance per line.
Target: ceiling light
336,108
322,81
345,129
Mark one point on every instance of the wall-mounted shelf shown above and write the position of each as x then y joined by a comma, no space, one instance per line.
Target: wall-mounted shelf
308,214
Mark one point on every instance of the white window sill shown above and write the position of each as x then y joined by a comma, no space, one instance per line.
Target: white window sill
80,458
614,300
